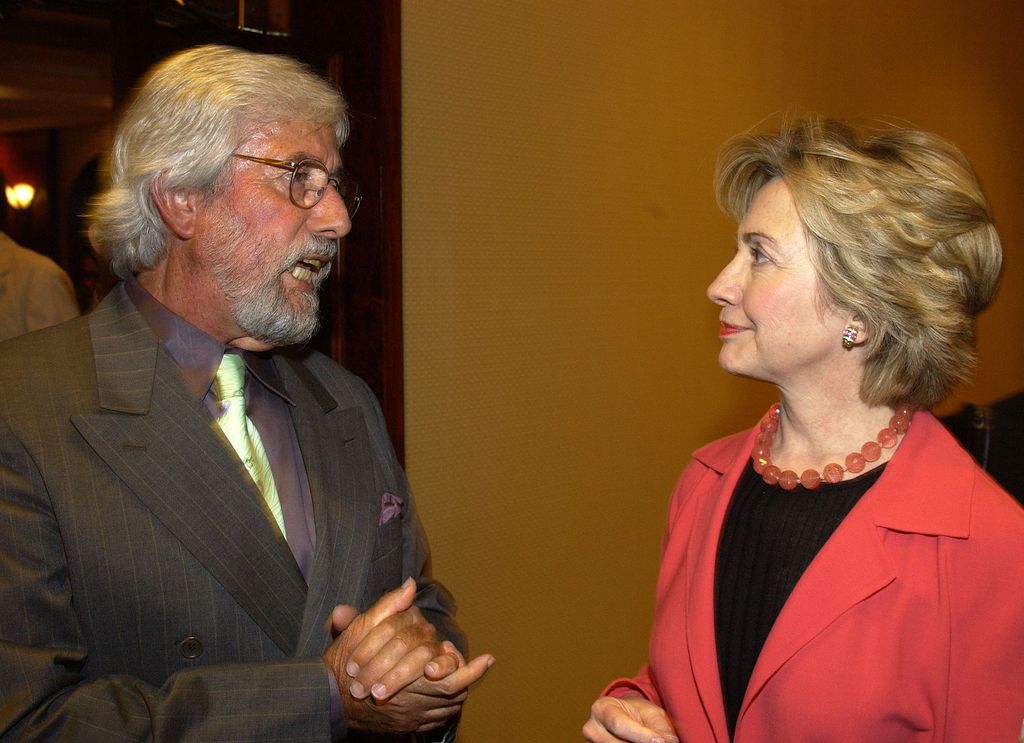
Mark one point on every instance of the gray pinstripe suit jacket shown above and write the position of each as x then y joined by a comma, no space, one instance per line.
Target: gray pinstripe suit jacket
131,538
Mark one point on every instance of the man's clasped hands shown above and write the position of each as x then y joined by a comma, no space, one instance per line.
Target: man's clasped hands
392,671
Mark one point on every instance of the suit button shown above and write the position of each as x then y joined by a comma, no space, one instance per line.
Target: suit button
190,648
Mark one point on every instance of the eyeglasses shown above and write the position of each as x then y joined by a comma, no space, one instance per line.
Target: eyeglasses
309,181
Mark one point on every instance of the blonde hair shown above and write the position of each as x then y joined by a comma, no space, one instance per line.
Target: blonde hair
191,112
903,237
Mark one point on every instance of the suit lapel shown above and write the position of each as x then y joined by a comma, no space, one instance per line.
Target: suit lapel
159,441
335,449
850,567
700,619
853,564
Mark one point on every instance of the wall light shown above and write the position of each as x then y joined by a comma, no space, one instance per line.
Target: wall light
20,195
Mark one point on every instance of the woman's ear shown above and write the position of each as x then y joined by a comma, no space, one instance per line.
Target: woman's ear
177,208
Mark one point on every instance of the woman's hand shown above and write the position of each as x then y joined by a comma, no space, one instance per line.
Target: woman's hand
632,719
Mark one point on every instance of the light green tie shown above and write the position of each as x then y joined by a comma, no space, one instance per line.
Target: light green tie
240,431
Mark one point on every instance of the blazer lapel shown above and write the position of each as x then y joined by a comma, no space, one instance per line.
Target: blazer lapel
335,449
850,567
160,442
853,564
726,463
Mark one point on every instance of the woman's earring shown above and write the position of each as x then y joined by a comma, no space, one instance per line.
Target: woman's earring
849,336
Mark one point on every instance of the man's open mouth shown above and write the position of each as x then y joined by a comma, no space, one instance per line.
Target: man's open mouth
308,269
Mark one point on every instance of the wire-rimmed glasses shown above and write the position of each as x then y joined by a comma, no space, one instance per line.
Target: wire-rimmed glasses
309,181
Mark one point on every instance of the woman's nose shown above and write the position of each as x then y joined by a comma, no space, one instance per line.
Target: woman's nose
724,289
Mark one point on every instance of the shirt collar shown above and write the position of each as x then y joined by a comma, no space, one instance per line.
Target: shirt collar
196,354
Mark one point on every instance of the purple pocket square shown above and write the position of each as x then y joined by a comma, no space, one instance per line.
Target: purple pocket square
390,507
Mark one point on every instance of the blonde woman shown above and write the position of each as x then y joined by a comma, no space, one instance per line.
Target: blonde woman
843,571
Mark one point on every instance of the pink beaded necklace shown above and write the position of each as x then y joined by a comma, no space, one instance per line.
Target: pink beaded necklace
810,479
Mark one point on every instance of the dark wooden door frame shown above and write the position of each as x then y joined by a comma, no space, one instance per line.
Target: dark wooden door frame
363,312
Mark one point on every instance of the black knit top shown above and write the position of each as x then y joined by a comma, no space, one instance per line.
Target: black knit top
769,538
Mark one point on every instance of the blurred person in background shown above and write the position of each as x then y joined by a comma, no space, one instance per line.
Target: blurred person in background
34,291
994,434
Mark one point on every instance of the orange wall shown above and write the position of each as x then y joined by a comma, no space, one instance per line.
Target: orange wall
559,233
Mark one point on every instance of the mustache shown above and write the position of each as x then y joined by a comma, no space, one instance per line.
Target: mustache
319,247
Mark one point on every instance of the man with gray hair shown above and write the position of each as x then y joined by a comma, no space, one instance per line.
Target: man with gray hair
204,532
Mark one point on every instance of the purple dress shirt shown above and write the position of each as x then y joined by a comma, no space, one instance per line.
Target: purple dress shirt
267,404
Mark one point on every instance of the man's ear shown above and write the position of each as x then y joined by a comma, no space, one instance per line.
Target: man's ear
177,208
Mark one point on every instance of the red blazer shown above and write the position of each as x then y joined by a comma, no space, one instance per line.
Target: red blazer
907,626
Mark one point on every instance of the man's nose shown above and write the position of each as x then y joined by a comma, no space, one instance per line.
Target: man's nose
330,217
